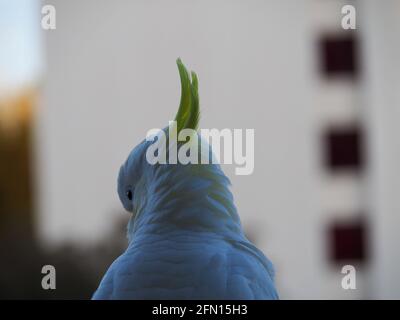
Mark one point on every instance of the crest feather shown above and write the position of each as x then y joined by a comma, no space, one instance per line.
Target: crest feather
188,114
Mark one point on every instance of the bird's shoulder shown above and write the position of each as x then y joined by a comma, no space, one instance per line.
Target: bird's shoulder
190,269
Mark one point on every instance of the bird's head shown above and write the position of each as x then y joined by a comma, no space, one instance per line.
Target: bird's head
158,189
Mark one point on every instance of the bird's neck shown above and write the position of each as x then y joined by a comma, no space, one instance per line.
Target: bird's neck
199,202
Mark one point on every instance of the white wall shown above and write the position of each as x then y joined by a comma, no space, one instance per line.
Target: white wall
111,76
381,29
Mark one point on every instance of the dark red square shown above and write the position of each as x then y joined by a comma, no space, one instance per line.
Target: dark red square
339,55
347,241
343,148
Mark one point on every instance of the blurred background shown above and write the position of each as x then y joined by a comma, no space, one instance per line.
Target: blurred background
324,103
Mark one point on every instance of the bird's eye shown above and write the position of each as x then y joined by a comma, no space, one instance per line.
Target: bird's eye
129,194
